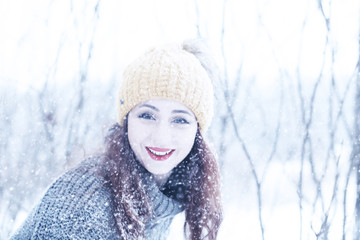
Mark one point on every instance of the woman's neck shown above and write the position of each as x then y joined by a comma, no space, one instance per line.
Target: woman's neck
161,179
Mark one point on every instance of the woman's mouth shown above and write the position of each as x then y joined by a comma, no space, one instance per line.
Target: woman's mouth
159,154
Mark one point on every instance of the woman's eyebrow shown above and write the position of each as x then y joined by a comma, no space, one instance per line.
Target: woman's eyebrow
149,106
181,111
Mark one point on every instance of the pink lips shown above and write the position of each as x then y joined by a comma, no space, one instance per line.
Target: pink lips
159,154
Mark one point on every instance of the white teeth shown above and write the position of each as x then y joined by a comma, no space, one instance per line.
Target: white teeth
159,153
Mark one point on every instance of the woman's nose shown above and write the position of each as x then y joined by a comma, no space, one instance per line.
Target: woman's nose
162,134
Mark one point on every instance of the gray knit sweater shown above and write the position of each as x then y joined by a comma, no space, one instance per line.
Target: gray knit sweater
78,206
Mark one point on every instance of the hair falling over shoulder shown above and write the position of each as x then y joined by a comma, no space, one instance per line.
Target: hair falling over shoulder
131,206
203,212
198,174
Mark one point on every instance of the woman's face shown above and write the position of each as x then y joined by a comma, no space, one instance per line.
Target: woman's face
161,133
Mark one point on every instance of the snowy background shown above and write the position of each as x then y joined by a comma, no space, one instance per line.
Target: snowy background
284,123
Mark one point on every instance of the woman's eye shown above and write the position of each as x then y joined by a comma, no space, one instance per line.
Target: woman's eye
147,116
180,121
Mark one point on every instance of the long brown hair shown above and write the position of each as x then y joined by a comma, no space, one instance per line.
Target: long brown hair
194,182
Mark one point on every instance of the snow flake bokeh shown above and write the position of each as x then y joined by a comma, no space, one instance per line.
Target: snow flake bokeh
284,119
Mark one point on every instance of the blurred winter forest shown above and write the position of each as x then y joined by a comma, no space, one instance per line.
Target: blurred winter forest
286,128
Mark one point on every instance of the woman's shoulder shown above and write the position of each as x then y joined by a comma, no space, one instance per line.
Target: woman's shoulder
78,202
80,182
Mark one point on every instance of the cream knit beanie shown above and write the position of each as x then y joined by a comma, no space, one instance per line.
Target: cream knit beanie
168,72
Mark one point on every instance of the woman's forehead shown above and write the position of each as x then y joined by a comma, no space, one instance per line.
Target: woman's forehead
159,104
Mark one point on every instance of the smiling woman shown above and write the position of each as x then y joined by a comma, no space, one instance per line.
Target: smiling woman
161,134
156,163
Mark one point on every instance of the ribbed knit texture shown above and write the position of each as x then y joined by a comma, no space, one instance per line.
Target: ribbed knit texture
78,206
168,72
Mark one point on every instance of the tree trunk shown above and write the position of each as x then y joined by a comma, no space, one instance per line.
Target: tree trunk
356,148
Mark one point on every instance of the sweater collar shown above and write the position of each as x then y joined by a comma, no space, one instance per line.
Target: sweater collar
163,205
